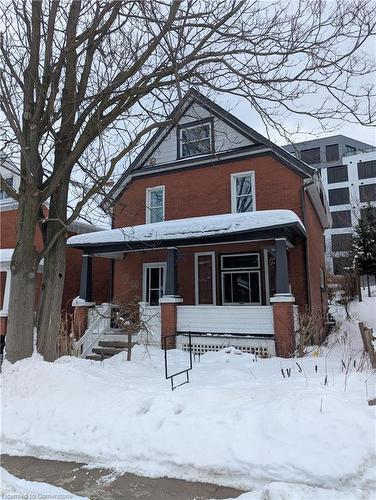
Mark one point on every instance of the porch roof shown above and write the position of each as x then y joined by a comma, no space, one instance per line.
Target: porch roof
180,232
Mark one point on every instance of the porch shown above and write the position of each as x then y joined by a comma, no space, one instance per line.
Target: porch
223,279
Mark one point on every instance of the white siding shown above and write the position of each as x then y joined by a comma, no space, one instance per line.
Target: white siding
225,137
249,320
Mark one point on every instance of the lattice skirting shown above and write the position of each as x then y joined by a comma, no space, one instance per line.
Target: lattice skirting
205,343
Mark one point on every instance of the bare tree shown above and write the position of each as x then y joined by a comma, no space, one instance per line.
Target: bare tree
83,82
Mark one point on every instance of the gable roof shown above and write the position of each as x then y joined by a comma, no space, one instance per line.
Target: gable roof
260,144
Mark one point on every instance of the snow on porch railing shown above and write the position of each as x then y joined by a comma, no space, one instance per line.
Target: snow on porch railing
248,320
99,320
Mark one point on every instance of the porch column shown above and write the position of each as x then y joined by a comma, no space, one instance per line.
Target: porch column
283,304
282,269
86,278
84,301
169,302
171,272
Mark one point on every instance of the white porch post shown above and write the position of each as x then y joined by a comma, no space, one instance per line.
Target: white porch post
5,304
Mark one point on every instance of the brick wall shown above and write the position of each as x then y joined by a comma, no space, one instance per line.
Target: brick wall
128,271
316,256
101,267
207,190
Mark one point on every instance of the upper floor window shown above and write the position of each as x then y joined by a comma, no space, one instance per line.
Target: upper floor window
341,218
340,196
337,174
155,204
332,152
243,192
367,169
367,192
350,150
195,139
368,212
3,194
310,156
342,242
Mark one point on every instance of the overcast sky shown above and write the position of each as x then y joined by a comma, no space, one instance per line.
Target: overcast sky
310,129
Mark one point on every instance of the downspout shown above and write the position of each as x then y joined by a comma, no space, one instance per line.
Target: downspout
306,184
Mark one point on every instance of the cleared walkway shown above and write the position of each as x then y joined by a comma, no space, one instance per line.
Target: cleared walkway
105,485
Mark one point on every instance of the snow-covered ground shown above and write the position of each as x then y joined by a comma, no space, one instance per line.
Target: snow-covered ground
12,487
241,422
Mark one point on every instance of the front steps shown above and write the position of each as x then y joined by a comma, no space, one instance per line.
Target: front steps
108,348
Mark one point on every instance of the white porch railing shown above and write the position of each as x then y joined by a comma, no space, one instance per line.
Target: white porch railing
99,321
248,320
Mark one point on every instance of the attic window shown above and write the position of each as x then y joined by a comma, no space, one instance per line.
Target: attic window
195,139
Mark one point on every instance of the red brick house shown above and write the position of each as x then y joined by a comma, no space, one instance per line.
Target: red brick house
8,240
217,232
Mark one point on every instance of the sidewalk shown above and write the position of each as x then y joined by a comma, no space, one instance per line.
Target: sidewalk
102,484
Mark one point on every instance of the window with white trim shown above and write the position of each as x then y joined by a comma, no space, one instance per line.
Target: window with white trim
154,282
3,194
195,139
243,192
205,278
241,279
155,204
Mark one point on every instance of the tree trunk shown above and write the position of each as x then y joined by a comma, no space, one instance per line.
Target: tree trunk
24,267
49,313
50,304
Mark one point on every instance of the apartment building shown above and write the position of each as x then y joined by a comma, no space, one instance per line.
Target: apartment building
348,173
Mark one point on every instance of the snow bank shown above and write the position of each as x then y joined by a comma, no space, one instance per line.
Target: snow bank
13,487
287,491
193,227
238,423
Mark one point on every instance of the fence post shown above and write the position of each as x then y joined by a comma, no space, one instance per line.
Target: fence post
367,336
357,278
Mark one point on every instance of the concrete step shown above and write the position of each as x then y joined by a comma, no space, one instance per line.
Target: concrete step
109,351
97,357
119,344
115,331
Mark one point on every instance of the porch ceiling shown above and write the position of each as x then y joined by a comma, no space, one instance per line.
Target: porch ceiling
263,224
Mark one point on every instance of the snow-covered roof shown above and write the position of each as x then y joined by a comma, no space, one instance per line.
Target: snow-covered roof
195,227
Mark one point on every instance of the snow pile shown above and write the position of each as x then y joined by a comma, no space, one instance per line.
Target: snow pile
12,487
287,491
240,422
194,227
